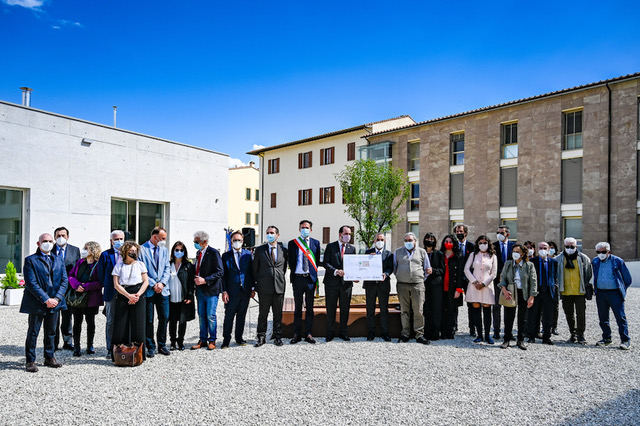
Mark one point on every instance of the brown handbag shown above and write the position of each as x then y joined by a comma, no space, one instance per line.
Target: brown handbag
128,356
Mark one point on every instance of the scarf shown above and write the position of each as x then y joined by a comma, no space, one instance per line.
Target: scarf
570,259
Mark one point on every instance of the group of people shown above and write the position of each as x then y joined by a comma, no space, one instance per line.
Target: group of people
66,285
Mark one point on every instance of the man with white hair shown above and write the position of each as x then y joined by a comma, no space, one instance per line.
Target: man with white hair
109,259
611,279
574,274
411,267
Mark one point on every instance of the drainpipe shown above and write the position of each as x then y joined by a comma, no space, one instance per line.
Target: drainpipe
609,171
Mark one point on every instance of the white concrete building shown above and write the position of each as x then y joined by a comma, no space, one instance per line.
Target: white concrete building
92,178
244,198
298,180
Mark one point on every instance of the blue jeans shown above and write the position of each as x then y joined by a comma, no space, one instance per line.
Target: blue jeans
606,299
207,306
162,306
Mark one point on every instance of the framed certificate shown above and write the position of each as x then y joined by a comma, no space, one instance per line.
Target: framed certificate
362,267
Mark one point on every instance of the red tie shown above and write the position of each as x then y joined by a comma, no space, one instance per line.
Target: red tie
198,263
342,251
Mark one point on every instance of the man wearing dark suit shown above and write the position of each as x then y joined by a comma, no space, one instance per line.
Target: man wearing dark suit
237,288
269,269
503,248
466,247
547,274
208,280
379,290
46,283
335,287
69,255
304,257
108,260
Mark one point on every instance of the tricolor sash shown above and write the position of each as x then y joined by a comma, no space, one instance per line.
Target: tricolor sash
302,245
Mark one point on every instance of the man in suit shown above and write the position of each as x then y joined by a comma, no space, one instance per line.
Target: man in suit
69,255
155,256
335,287
108,260
46,283
379,290
304,256
237,288
269,268
208,280
503,248
461,231
546,272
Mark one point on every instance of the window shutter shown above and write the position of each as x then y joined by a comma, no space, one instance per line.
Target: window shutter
273,200
351,151
332,154
300,160
333,194
277,160
322,156
321,195
300,197
310,152
310,197
326,235
270,166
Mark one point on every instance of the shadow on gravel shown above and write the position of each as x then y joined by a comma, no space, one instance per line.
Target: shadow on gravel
11,365
618,411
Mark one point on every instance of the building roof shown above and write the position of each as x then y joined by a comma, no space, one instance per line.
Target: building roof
110,127
322,136
510,103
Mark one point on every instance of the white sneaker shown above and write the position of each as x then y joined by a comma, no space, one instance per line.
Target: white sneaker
625,345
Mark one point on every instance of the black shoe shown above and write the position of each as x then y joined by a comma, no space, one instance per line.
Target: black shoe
164,351
496,335
278,341
386,338
403,339
181,347
91,351
472,333
67,346
173,347
521,345
370,337
241,342
310,339
261,341
295,339
531,340
582,340
109,355
547,341
77,351
225,344
328,339
422,340
505,344
151,354
554,332
539,336
477,340
345,337
572,339
489,340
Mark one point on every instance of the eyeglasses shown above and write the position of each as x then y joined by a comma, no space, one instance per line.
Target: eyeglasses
601,252
178,251
570,247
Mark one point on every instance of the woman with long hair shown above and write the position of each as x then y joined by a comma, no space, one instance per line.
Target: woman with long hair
481,269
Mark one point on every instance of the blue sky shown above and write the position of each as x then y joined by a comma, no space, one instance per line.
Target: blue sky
230,75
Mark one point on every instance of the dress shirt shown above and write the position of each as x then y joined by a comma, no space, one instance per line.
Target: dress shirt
606,279
518,281
299,269
426,263
175,286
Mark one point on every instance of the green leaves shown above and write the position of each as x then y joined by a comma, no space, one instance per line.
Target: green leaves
11,277
373,193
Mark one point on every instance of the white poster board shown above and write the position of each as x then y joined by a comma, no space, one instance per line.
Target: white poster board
362,267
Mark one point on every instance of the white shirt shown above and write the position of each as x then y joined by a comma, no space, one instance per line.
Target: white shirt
300,256
175,286
517,279
129,274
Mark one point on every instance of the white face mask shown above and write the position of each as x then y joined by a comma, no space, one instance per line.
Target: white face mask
408,245
515,256
46,247
84,253
552,251
531,252
483,247
570,251
543,253
379,245
501,237
61,241
602,256
345,238
237,245
162,244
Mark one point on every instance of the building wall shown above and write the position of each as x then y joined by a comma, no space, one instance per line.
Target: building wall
241,178
68,183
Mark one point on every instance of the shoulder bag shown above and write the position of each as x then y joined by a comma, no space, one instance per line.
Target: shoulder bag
128,356
514,297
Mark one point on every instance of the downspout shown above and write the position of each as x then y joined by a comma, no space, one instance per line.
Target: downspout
609,171
262,198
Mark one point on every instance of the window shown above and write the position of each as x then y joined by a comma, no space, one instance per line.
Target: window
572,181
513,228
457,149
377,152
304,160
414,156
273,200
353,234
327,195
415,228
247,195
326,235
509,187
304,197
247,218
456,191
572,227
257,217
351,151
327,155
136,218
11,228
572,130
274,166
414,199
257,195
638,122
509,140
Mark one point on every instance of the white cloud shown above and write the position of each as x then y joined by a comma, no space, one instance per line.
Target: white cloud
65,23
29,4
236,162
256,146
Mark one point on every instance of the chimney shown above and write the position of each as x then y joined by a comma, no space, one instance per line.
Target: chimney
252,164
115,109
26,96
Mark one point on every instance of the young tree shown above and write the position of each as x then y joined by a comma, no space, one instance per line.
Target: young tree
373,193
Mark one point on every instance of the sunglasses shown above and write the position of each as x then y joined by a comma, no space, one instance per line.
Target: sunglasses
178,251
570,247
601,252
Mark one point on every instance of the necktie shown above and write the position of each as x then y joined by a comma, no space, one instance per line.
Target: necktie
462,246
504,253
543,282
61,254
156,258
238,259
305,263
198,263
47,259
273,254
342,251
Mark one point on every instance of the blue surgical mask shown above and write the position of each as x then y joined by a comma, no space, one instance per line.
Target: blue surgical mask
305,232
117,244
197,246
178,254
408,245
271,238
552,251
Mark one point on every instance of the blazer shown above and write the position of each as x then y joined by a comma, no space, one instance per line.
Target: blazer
211,270
237,280
497,247
584,266
186,274
528,278
43,283
468,249
314,246
270,276
436,278
156,274
387,268
552,273
332,262
457,278
93,287
105,267
71,255
620,272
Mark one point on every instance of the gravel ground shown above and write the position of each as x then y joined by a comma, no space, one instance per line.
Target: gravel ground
355,382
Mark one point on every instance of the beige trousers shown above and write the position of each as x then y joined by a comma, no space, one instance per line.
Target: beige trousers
411,296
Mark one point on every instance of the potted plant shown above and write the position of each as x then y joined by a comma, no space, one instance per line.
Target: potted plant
11,287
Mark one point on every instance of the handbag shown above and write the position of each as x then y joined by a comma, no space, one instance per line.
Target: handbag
509,303
128,356
588,291
76,299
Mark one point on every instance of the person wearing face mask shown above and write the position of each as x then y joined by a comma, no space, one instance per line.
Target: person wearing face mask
411,267
155,256
335,287
433,288
83,278
238,287
453,285
379,290
70,255
269,271
503,248
574,274
108,259
611,280
553,253
181,305
130,280
466,248
45,281
304,257
481,270
520,283
547,274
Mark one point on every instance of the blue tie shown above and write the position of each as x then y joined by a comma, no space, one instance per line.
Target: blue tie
155,257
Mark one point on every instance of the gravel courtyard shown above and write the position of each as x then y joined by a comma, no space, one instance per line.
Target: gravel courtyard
357,382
